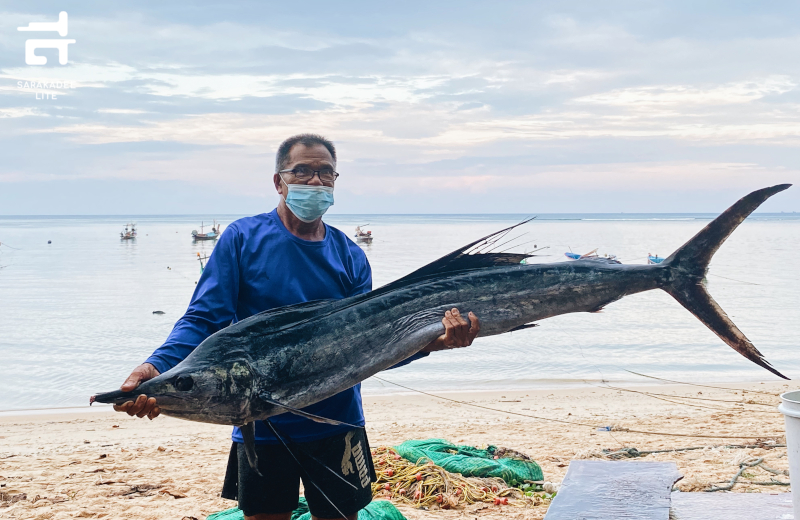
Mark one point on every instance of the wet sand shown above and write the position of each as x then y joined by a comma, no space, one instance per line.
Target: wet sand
102,464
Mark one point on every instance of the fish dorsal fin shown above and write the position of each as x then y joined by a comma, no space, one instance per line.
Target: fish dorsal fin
470,256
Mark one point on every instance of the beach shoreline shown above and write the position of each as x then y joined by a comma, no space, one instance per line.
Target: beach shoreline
102,464
401,391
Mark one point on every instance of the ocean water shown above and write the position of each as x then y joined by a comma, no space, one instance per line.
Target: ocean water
76,315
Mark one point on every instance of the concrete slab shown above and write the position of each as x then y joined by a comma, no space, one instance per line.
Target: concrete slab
615,490
732,506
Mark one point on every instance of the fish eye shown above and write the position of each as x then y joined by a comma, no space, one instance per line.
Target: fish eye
184,383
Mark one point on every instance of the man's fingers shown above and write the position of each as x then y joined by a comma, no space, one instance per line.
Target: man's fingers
123,407
462,328
141,407
140,374
459,317
449,322
474,329
154,413
138,405
148,407
458,331
132,382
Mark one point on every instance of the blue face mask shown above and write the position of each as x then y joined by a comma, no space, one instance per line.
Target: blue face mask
308,203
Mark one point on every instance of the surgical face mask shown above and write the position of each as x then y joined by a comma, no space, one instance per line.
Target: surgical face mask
308,203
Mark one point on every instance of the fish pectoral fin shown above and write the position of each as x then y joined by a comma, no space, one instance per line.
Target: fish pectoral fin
301,413
249,436
523,327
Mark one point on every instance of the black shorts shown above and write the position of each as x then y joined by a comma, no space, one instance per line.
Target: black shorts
277,490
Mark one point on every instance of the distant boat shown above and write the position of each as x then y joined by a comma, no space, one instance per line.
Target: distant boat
362,235
575,256
654,259
128,234
212,235
592,255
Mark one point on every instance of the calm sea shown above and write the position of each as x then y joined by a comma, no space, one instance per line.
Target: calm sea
76,315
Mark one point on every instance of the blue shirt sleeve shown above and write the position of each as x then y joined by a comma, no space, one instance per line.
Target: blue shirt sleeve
362,282
213,304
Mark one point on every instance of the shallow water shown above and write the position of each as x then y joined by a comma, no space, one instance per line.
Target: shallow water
77,315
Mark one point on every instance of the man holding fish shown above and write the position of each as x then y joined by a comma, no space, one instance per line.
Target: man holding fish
286,257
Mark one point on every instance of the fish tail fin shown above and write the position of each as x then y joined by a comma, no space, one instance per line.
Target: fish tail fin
695,298
689,265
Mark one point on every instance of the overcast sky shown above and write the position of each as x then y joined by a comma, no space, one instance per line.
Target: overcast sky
435,107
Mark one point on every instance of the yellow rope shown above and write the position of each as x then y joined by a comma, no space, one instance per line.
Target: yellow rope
426,484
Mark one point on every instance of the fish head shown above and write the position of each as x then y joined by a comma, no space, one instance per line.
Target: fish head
221,393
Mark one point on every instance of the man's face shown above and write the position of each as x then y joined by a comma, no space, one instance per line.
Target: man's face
316,157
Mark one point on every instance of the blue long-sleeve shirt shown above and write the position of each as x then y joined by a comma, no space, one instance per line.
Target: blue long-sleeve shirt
258,265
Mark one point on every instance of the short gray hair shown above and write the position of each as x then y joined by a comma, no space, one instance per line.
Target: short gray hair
282,157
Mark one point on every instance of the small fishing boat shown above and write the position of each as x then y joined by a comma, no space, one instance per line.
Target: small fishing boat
211,235
592,255
575,256
129,233
363,235
654,259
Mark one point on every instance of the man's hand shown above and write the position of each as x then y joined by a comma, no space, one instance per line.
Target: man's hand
458,332
142,405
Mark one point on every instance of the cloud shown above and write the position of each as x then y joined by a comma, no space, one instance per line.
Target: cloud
434,96
672,96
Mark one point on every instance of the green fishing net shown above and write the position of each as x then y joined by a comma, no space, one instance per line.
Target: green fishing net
470,461
375,510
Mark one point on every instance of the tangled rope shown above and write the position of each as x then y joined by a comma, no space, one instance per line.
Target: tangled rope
632,452
427,485
751,464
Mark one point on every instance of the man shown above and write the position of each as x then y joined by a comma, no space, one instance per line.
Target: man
281,258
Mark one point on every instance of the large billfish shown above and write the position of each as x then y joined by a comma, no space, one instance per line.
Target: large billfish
287,358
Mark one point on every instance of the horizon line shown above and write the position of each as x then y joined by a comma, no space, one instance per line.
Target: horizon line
240,215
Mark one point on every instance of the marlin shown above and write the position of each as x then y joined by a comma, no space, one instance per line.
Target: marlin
291,357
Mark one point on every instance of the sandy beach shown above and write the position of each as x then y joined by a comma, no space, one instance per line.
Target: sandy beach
101,464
